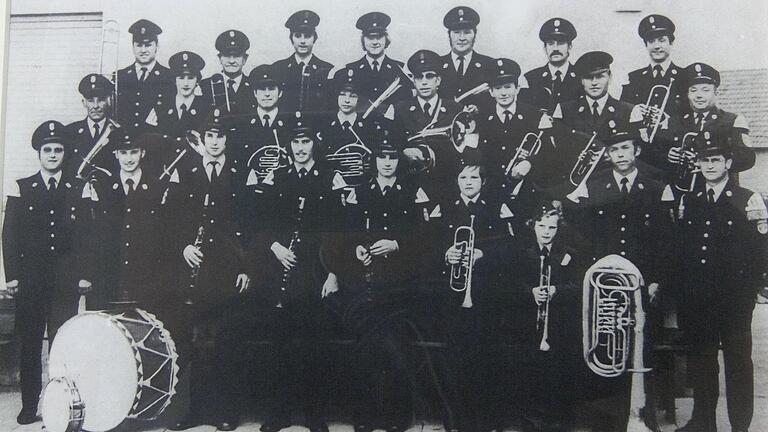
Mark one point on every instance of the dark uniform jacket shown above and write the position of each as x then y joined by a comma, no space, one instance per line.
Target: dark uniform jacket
336,140
719,254
126,260
300,229
373,83
135,100
174,128
251,135
545,94
82,143
305,92
641,81
240,102
478,71
224,242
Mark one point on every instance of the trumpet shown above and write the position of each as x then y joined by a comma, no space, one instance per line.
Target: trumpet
530,146
102,142
585,165
461,273
655,109
542,316
110,40
613,320
686,170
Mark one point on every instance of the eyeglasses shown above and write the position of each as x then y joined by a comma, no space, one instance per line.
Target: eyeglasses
425,75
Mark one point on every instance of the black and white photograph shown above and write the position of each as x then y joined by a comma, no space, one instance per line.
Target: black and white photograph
384,215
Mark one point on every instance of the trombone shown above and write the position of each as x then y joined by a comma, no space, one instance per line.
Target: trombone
542,316
655,112
461,273
110,36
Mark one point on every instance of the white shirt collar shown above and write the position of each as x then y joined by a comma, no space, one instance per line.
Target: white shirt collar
467,60
150,67
306,61
307,167
351,118
91,123
370,60
382,182
238,79
221,159
184,100
47,176
664,66
563,70
432,102
600,103
135,176
630,178
467,200
718,188
272,114
548,246
500,110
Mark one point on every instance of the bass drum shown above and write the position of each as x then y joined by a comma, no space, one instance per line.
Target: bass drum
112,365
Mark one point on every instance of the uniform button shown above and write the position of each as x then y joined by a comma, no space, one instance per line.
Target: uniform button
127,244
126,262
127,226
623,229
623,253
385,215
703,248
703,261
623,241
136,114
385,228
128,210
137,104
31,208
706,235
210,240
623,216
138,93
53,235
135,125
282,289
53,223
53,247
707,223
503,147
52,212
212,220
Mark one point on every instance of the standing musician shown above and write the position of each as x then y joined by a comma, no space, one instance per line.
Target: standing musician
720,243
43,214
507,135
183,111
376,70
464,70
464,266
531,326
97,100
557,81
375,261
142,85
303,74
704,115
128,221
205,202
304,203
230,89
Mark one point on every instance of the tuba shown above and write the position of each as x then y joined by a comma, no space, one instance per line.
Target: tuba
686,170
461,274
655,106
613,320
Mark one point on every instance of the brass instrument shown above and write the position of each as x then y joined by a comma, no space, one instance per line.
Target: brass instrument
195,276
461,274
295,240
613,320
110,39
542,316
585,165
268,158
655,115
352,161
531,143
195,143
102,142
389,91
218,82
686,170
475,91
462,127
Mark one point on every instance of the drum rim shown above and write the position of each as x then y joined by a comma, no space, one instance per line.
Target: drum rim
76,405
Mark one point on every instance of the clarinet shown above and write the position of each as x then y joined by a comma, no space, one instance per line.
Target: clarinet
295,240
195,276
368,273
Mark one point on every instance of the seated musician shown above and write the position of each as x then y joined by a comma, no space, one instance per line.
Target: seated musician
533,327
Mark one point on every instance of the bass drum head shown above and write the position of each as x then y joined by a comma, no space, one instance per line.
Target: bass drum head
62,407
92,350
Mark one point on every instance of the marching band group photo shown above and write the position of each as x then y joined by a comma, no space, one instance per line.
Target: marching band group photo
446,237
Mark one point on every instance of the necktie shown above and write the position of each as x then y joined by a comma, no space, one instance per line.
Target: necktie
595,111
558,77
214,173
657,71
472,206
507,117
375,65
345,125
266,120
129,186
544,254
460,68
624,185
302,173
183,110
231,85
711,196
143,74
386,190
428,109
52,184
699,120
96,131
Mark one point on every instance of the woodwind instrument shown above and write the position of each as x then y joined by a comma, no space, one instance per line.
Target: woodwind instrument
195,276
295,240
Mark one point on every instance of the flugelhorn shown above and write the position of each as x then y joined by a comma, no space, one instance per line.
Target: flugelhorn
461,273
585,165
102,142
529,146
655,105
110,40
613,321
686,170
542,316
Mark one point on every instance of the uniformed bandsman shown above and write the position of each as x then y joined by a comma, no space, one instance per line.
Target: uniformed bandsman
464,70
555,82
97,92
206,205
304,76
704,115
142,85
376,70
720,258
229,89
183,111
42,215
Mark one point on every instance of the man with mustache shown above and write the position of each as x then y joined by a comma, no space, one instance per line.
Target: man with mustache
463,69
97,101
229,90
142,85
376,70
304,76
556,81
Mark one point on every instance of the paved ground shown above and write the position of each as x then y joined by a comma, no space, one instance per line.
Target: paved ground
10,401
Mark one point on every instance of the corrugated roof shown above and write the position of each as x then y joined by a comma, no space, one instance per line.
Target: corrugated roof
745,92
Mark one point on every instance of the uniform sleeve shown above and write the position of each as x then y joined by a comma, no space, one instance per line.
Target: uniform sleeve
743,154
11,234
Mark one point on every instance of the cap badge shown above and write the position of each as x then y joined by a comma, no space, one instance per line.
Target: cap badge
706,134
231,33
350,72
93,78
216,112
500,62
612,124
375,24
651,20
51,126
557,23
461,13
143,30
185,56
698,68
